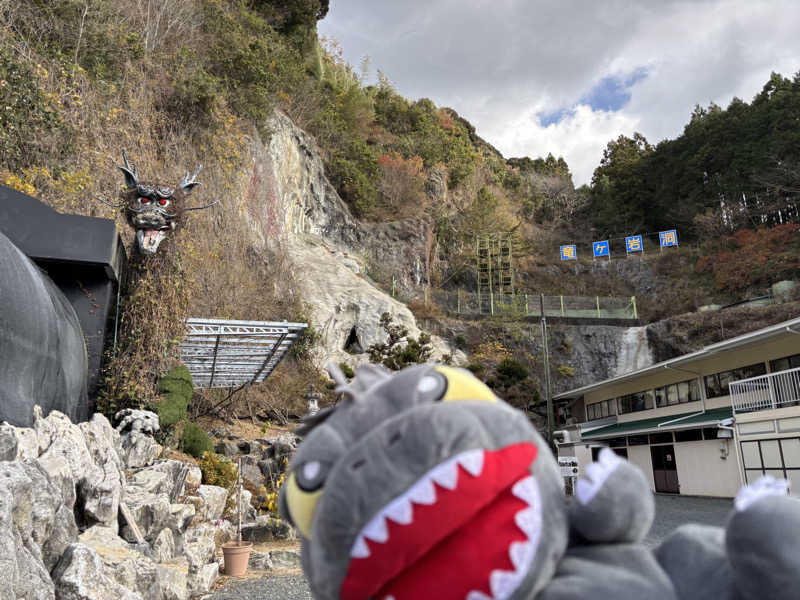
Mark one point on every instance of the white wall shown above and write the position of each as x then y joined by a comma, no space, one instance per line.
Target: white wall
640,456
702,471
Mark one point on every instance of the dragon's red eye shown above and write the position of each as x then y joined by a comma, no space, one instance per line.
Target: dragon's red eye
144,200
163,201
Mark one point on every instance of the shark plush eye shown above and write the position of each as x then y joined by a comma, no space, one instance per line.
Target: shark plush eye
303,490
311,475
144,200
163,201
464,386
432,386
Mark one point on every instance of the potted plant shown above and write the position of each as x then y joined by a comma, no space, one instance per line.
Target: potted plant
237,554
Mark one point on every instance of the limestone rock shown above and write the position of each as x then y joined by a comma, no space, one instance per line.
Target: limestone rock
203,579
214,498
153,512
27,443
122,563
268,529
60,475
285,559
79,575
22,571
101,498
219,531
179,476
199,552
8,442
260,561
173,579
137,421
61,535
139,450
164,546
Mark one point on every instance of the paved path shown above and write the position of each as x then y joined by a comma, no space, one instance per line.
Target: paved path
671,511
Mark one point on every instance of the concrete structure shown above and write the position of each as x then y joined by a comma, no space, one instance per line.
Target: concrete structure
678,422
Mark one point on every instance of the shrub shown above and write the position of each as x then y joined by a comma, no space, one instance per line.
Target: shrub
195,441
218,470
510,371
566,371
176,386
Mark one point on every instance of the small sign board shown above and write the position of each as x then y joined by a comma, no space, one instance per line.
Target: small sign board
568,466
668,238
633,243
601,249
569,252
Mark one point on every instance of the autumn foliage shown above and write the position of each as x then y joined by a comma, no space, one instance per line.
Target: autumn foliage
402,181
755,257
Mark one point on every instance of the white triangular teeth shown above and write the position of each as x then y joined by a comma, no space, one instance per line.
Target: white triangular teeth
521,554
472,461
400,511
525,489
423,492
360,548
446,474
527,521
376,530
503,583
478,595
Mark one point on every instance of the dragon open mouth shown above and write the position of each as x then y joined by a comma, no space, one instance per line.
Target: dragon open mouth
149,239
468,529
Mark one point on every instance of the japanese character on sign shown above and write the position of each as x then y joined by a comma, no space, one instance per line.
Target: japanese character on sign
668,238
633,243
601,248
569,252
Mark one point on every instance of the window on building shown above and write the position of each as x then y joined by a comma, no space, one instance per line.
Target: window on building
620,442
710,433
672,394
661,396
717,384
779,458
661,438
694,391
689,435
638,440
787,362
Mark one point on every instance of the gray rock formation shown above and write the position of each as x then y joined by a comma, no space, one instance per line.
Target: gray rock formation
80,576
138,421
41,342
290,203
138,450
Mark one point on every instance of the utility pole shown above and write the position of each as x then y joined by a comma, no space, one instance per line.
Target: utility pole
548,394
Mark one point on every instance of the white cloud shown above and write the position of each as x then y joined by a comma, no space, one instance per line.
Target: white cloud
499,63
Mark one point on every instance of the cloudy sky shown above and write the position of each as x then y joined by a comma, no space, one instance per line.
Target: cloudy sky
539,76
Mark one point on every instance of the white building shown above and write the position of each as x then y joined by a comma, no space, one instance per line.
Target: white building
701,424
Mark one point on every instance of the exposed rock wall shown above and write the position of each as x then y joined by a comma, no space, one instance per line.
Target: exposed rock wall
289,203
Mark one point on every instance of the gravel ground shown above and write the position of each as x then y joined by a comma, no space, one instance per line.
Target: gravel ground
671,511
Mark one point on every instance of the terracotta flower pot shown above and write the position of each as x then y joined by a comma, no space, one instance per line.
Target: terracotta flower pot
237,555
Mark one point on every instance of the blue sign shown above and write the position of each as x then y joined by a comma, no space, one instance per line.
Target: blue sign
601,249
633,243
569,252
668,238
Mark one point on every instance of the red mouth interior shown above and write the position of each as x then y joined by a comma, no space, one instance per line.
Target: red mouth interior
472,525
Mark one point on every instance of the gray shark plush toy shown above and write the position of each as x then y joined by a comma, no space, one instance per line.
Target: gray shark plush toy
422,484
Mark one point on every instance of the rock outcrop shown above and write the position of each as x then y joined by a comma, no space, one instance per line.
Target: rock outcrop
62,488
290,203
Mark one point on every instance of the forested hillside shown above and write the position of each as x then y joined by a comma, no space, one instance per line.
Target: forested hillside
182,82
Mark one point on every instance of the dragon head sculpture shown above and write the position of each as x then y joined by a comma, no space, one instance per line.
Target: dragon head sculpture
154,210
412,476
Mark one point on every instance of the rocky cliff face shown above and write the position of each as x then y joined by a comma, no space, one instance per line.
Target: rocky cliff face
290,205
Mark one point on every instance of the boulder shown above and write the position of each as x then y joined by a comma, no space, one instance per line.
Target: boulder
260,561
137,421
220,531
180,475
199,552
268,529
285,559
138,450
35,528
154,512
60,475
214,498
201,581
79,575
122,563
227,448
173,579
101,498
8,442
164,546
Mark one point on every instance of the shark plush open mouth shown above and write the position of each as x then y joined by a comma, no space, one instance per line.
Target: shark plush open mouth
479,507
149,239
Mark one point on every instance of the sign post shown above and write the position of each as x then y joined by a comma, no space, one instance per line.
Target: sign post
633,244
600,249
